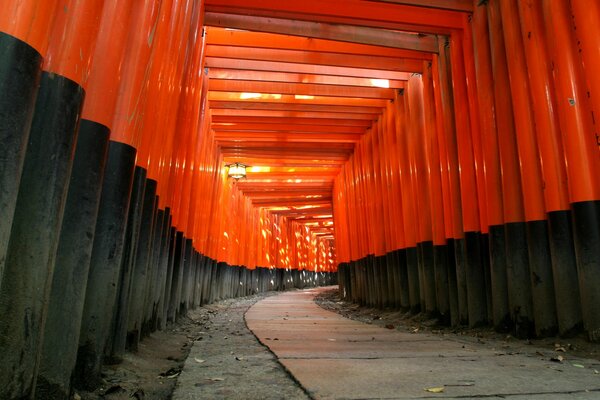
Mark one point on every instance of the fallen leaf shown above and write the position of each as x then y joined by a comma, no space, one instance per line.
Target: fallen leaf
435,389
173,376
578,366
199,360
76,397
560,349
557,359
596,372
216,379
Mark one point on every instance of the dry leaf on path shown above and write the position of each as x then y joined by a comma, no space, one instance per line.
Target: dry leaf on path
435,389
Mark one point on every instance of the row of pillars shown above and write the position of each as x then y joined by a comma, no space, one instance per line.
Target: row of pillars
92,256
475,197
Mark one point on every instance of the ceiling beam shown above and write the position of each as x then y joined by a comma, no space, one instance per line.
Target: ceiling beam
352,12
315,36
290,77
350,112
270,66
453,5
265,118
300,89
289,99
250,138
314,58
284,127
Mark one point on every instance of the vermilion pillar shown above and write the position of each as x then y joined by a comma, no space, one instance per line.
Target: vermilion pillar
542,284
517,262
492,168
31,254
69,281
581,154
109,238
555,188
587,31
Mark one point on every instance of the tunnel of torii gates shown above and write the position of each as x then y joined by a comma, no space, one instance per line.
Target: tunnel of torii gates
438,156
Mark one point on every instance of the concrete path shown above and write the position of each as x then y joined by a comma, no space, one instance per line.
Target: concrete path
336,358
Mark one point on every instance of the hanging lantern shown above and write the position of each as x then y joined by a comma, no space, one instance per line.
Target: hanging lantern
236,171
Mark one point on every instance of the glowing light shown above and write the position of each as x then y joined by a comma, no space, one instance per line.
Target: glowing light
303,97
260,169
382,83
246,96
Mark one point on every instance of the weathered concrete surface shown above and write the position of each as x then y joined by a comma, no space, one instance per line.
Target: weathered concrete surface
336,358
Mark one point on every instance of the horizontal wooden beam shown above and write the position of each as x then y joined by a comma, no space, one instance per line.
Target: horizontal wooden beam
361,112
299,89
249,139
259,117
352,12
254,65
453,5
290,99
220,113
316,36
284,127
291,77
307,57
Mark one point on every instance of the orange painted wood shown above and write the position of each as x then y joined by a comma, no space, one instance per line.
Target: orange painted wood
529,158
549,141
574,112
105,77
30,21
73,40
487,117
511,176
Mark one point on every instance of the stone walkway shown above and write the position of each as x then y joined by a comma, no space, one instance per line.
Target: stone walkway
336,358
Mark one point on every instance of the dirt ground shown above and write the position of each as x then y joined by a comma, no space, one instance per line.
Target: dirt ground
554,348
226,361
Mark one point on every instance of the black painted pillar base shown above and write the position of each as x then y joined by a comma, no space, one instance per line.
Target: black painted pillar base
414,289
476,285
586,229
103,278
20,74
564,272
31,252
498,274
426,255
519,280
460,257
403,287
452,284
542,283
69,282
115,347
440,262
142,275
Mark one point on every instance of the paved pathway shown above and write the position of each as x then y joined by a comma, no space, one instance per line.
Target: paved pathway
336,358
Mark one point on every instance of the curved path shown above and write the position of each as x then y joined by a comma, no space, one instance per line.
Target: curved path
336,358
